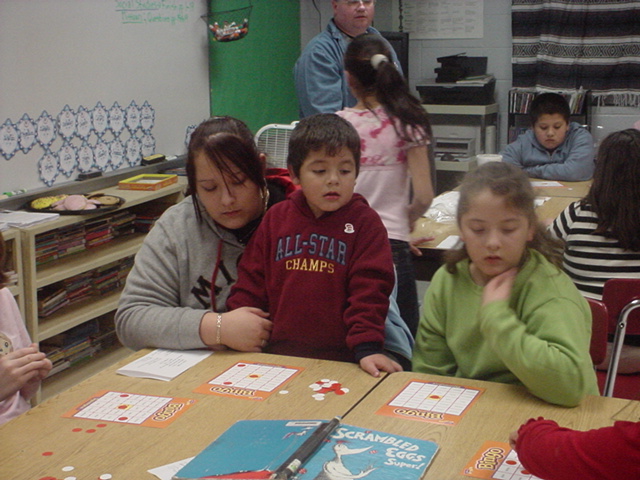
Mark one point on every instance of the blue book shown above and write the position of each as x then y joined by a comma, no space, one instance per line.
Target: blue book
255,449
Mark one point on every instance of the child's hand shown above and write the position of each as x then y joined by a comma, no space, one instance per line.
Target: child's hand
31,387
513,438
414,242
245,329
372,364
499,287
20,367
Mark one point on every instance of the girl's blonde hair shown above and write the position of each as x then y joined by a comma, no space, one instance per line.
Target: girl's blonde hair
511,183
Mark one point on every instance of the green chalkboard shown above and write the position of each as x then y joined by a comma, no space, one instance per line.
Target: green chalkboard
252,78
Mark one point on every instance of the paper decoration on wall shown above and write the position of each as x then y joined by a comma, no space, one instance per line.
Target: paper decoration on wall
48,168
148,145
67,123
187,137
147,117
46,130
229,25
67,159
27,128
132,117
9,139
101,155
117,153
100,119
132,151
116,119
84,124
85,158
83,139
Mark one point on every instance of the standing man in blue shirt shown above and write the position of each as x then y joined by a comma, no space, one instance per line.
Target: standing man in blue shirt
319,72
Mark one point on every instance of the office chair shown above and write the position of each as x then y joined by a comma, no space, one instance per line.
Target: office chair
599,329
273,141
622,298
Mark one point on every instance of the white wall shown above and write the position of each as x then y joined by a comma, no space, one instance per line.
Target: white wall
495,45
79,53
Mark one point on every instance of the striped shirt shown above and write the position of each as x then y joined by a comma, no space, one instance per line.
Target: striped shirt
591,259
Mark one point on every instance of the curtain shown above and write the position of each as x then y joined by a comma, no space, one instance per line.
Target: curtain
569,44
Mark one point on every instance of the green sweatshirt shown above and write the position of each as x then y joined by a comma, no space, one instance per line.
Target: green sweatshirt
539,338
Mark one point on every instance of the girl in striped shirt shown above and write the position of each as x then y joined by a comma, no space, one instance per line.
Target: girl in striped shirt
601,232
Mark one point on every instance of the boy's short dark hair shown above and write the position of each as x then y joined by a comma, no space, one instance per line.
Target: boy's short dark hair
323,131
549,104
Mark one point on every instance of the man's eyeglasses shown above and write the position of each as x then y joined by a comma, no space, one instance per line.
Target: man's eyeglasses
353,3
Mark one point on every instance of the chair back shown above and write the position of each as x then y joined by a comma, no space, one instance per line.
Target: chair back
617,293
599,329
622,298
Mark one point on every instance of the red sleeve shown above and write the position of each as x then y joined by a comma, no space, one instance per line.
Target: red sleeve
250,288
371,281
555,453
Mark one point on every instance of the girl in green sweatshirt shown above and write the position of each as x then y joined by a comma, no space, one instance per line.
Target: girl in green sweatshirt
501,309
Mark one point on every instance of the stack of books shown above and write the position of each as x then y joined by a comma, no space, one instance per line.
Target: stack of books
145,221
98,232
51,299
97,282
122,223
80,343
78,287
46,247
105,278
71,240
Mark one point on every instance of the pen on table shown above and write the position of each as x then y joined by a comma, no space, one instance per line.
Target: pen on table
289,468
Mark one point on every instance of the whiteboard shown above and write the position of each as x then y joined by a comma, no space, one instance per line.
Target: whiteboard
73,60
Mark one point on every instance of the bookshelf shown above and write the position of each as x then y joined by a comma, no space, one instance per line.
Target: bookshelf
520,102
13,265
73,271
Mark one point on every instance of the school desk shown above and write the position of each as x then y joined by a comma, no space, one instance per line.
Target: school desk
40,443
497,411
426,227
566,189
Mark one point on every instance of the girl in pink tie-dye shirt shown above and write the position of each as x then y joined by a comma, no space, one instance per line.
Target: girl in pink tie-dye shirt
396,172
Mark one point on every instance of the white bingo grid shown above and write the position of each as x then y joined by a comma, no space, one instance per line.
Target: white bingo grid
254,376
512,469
122,407
435,397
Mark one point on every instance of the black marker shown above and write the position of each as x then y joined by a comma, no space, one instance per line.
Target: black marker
304,452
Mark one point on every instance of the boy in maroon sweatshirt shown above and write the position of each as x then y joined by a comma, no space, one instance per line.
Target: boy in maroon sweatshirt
320,262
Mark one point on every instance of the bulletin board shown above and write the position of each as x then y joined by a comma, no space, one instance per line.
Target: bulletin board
441,19
97,84
252,78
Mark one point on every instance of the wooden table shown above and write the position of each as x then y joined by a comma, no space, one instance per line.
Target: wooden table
128,451
426,227
499,410
568,189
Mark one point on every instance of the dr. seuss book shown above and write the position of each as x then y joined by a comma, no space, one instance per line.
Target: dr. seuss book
255,449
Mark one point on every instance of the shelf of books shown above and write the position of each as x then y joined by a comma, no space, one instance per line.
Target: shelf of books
13,265
520,104
74,270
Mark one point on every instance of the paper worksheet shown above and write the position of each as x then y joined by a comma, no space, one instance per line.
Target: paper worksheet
162,364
